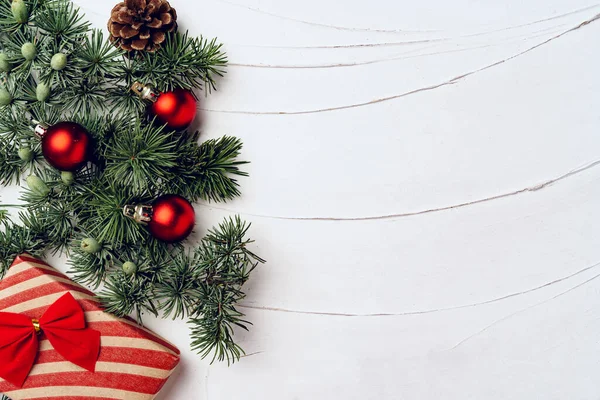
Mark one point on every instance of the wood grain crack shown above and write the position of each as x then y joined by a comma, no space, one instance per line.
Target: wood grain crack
430,311
398,31
533,188
411,92
252,354
521,311
317,24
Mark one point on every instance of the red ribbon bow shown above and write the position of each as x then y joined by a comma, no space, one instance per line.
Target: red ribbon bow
64,326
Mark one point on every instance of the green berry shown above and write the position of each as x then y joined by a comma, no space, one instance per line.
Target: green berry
25,154
42,92
5,97
58,61
4,63
29,51
129,268
67,177
90,245
20,11
37,185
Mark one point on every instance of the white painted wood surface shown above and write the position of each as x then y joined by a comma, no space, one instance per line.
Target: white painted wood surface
425,184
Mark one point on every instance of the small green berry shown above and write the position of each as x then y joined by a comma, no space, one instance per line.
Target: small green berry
129,268
90,245
58,61
5,97
67,177
20,11
25,154
29,51
4,63
42,92
37,185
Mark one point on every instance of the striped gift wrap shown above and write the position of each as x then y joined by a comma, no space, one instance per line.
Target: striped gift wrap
134,363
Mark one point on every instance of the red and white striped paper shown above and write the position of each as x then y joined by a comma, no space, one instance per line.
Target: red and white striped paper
134,363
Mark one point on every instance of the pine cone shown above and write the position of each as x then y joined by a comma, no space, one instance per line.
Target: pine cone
141,24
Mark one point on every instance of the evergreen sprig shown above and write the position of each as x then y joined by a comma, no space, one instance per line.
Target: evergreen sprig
54,67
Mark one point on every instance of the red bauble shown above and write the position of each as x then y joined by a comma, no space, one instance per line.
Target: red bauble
176,109
173,218
66,146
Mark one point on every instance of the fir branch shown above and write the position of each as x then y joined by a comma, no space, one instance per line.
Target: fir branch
14,125
178,293
99,59
141,156
90,269
22,67
62,21
206,171
225,263
102,216
182,62
217,161
213,331
10,164
124,295
15,240
64,76
83,97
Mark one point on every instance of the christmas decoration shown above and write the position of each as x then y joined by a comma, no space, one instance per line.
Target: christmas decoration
170,218
64,325
132,362
90,245
129,268
76,210
141,25
66,145
175,108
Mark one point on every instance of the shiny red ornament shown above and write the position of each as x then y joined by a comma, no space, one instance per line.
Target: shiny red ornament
66,145
176,108
173,218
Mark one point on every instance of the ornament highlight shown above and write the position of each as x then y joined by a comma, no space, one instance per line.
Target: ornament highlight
176,108
170,218
66,145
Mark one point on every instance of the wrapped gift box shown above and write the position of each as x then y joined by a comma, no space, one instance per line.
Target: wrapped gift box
133,363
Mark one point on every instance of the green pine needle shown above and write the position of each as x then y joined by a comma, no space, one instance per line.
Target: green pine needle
134,161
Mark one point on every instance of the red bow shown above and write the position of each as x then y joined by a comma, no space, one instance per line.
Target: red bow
64,326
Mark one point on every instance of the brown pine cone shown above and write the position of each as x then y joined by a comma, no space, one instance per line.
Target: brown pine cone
141,24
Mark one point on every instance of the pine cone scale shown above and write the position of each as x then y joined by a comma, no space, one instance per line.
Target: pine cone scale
141,25
156,23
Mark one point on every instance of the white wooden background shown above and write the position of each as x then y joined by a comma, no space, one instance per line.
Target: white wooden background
425,184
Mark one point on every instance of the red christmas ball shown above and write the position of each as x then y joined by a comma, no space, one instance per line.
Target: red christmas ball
66,146
173,218
176,109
